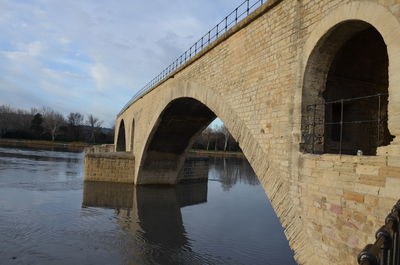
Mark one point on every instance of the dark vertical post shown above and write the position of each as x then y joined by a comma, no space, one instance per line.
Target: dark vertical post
202,42
341,126
236,13
217,31
248,6
226,24
379,119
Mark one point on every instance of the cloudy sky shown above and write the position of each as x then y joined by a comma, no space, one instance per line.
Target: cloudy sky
91,56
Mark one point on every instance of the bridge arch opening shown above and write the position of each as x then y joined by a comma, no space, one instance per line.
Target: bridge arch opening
176,129
345,92
132,134
121,140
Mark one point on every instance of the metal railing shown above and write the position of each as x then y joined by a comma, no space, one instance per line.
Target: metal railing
386,249
240,12
312,137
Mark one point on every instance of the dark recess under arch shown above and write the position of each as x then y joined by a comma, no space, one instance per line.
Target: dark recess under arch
121,142
345,92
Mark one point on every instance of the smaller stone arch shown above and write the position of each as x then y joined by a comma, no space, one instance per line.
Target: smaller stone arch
345,91
121,140
388,25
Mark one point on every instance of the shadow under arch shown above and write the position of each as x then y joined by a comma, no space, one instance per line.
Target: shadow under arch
121,140
182,120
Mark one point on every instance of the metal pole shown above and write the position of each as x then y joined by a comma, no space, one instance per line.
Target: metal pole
379,119
248,7
341,126
236,13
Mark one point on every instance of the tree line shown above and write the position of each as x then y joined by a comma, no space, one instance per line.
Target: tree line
216,138
48,124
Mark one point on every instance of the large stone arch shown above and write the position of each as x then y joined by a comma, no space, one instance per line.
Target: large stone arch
267,170
388,27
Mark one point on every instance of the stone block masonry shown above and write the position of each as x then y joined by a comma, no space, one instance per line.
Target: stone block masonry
118,167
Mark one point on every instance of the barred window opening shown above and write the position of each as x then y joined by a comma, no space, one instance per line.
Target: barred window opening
345,93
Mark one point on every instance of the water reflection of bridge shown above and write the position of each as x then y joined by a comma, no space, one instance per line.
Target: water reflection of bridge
153,213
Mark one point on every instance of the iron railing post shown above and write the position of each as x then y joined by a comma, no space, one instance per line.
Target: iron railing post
341,126
236,15
379,119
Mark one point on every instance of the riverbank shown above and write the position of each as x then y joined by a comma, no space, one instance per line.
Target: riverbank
215,153
42,144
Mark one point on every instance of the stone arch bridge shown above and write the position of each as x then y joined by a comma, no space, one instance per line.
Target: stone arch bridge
260,78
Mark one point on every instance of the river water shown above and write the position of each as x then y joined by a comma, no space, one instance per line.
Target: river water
49,216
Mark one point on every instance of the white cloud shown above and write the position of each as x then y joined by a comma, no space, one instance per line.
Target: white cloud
101,76
91,56
35,48
64,40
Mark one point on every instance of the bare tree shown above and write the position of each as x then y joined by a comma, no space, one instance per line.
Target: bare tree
207,133
94,125
15,120
52,121
5,119
224,131
75,119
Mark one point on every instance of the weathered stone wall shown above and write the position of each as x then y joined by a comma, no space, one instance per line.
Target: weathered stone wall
110,167
104,148
344,200
252,78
